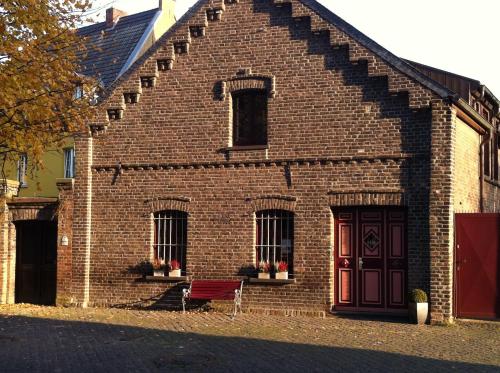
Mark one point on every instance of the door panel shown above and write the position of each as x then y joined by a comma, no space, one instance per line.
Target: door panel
371,289
346,259
397,288
370,258
477,268
36,259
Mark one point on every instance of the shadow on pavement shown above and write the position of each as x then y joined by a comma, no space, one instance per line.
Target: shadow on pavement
48,345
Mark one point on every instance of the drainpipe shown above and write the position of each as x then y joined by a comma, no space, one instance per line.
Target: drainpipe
486,138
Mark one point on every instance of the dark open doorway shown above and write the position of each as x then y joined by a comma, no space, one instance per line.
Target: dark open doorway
36,260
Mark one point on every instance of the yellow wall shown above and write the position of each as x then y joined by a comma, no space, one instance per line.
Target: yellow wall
42,182
466,173
163,23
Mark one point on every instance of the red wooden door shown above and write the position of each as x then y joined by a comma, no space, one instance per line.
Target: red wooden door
477,266
370,259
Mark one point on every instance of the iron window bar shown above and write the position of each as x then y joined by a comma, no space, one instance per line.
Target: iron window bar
275,237
170,236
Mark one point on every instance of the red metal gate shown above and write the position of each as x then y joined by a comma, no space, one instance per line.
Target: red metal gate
477,265
370,259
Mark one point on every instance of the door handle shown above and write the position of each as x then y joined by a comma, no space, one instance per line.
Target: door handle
360,263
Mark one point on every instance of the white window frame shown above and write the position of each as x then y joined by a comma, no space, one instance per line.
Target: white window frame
78,92
22,170
69,163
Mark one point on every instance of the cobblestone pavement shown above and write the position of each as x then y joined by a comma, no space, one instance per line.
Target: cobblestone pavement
49,339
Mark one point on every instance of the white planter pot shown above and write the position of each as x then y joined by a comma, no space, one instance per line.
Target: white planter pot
158,272
418,312
264,276
174,273
281,276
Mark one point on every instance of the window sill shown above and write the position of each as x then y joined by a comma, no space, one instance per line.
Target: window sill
165,279
270,281
244,148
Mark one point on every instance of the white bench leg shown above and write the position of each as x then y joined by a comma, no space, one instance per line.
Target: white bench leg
185,295
237,302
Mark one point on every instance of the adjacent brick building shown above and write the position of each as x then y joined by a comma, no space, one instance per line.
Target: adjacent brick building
261,130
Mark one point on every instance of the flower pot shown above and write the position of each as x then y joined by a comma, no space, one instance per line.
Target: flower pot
158,272
281,276
174,273
418,313
264,275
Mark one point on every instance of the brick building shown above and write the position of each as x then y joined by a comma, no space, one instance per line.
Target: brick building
266,130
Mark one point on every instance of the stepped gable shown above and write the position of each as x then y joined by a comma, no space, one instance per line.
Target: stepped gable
348,45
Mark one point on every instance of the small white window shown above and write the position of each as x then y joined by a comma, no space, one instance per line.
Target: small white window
69,163
78,94
22,170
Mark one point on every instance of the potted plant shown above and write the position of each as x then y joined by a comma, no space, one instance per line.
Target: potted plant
418,308
174,268
281,271
264,270
158,267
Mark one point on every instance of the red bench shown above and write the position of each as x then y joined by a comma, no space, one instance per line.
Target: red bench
214,290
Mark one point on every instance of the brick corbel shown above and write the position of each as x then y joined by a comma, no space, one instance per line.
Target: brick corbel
367,198
177,203
272,202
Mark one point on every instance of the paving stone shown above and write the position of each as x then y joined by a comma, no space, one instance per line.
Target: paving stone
50,339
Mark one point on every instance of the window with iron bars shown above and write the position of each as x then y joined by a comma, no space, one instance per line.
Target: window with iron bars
170,237
275,237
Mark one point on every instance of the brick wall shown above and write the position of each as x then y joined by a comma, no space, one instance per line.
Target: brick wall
441,204
340,121
467,167
64,249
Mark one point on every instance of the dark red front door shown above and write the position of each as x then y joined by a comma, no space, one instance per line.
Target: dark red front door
370,259
36,257
477,266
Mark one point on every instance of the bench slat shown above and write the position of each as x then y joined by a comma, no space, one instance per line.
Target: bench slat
214,289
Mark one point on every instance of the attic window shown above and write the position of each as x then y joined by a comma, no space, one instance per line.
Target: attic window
487,158
494,161
249,117
485,113
78,93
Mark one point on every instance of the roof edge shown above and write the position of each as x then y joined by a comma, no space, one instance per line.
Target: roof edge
157,44
383,53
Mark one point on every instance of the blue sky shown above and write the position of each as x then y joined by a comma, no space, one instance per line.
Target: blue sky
456,35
